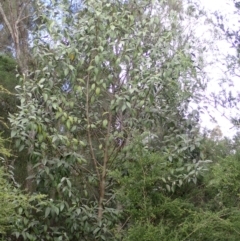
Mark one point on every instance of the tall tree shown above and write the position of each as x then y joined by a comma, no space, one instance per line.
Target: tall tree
16,20
108,75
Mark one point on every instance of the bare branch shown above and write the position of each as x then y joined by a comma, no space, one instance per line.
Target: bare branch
19,19
6,20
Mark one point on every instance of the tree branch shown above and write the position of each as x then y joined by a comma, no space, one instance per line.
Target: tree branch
102,185
89,132
6,21
19,19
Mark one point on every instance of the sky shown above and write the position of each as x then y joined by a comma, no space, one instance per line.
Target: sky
217,4
215,71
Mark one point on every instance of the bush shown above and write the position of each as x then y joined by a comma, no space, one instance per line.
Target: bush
155,213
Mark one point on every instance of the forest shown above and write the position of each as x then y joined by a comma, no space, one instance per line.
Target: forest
101,121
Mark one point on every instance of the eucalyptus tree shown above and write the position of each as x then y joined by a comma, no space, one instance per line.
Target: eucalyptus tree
16,25
108,75
16,21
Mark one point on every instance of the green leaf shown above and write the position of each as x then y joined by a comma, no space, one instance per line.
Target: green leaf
66,72
81,80
93,86
82,143
21,147
56,210
17,234
90,67
98,91
47,211
97,59
45,97
61,206
20,210
128,105
71,67
69,183
68,123
105,122
96,230
124,107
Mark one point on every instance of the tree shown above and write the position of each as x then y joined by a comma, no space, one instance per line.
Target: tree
16,20
116,73
8,104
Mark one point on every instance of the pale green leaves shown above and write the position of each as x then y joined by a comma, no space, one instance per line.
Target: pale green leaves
105,122
98,90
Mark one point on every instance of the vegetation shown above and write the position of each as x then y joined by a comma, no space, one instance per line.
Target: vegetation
105,122
14,203
7,92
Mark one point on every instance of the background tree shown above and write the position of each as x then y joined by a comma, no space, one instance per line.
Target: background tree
8,83
16,18
16,34
8,104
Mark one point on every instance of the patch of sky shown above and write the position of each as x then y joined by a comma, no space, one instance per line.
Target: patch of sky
66,87
76,6
222,14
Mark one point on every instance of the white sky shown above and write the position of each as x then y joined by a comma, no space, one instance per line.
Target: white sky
226,8
221,5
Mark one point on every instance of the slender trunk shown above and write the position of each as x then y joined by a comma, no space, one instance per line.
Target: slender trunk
102,184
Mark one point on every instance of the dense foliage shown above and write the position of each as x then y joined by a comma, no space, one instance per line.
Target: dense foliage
8,82
205,211
14,203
